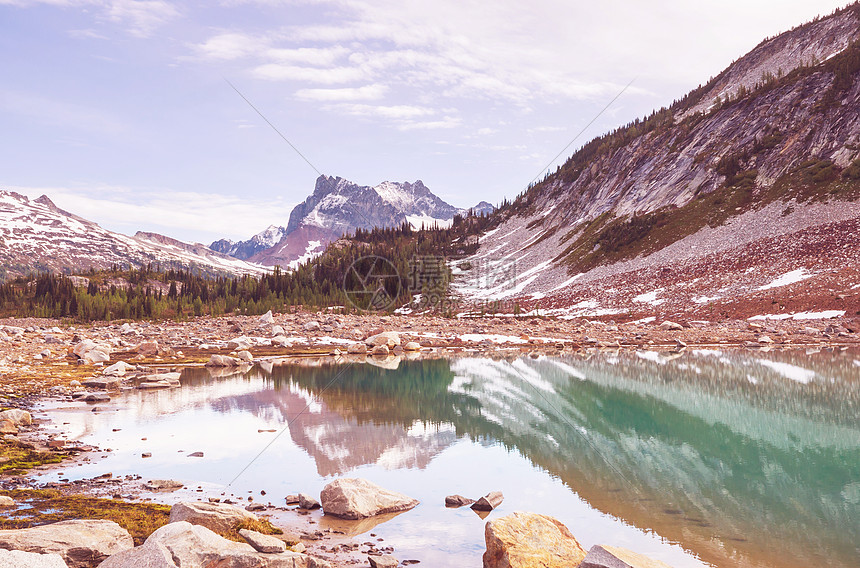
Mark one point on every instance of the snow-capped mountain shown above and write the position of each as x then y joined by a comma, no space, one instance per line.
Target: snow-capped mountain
338,206
37,235
246,249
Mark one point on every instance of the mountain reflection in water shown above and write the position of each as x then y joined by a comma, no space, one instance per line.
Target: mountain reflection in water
744,458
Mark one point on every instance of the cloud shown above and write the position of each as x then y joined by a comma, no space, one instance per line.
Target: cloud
141,17
331,76
365,93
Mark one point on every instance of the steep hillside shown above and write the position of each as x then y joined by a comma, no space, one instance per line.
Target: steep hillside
38,235
749,178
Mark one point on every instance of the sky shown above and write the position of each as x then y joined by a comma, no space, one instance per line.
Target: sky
122,111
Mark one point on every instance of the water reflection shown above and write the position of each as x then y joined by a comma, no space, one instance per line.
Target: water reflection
744,458
748,459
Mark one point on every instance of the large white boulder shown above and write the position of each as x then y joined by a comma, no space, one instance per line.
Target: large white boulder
529,540
353,498
21,559
81,543
220,517
181,545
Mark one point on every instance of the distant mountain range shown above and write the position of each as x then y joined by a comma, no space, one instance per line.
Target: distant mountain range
35,235
338,206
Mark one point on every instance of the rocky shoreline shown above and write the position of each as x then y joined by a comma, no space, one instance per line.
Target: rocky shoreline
47,360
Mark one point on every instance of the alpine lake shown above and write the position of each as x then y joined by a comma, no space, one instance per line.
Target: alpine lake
734,458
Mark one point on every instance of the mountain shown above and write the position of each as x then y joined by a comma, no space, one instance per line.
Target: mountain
740,197
338,206
246,249
38,235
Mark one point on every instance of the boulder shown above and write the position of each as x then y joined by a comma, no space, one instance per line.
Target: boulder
239,344
267,318
219,517
380,351
280,341
81,543
307,502
103,383
21,559
529,540
118,369
8,427
388,338
671,326
245,356
147,348
277,330
163,485
222,361
602,556
353,498
457,501
489,501
6,501
384,561
765,339
96,356
181,544
263,542
412,346
17,417
357,349
312,326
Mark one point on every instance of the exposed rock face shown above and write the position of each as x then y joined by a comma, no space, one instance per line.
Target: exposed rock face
352,498
81,543
219,517
529,540
181,545
602,556
21,559
244,250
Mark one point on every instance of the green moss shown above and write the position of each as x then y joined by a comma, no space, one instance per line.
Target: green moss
42,506
15,459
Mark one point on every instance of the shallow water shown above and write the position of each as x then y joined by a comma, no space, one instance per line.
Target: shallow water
732,458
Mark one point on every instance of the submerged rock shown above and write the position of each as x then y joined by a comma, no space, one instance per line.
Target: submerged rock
602,556
81,543
353,498
529,540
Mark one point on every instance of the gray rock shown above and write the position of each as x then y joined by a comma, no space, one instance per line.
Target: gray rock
163,485
457,501
380,351
183,545
21,559
103,383
7,427
388,338
17,417
222,361
263,542
352,498
412,346
81,543
307,502
6,501
277,330
118,369
602,556
239,344
384,561
312,326
267,318
671,326
245,356
524,540
357,349
220,517
489,501
148,348
96,397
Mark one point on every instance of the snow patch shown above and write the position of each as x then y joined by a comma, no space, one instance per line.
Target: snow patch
788,278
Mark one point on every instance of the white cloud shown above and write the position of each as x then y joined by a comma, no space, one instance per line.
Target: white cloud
141,17
332,76
365,93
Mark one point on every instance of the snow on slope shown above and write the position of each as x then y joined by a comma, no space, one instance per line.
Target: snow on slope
37,235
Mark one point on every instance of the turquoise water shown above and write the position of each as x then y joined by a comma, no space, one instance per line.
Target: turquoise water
733,458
